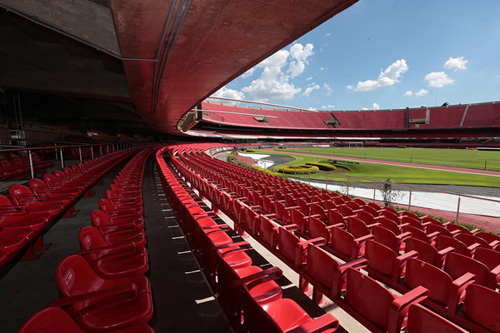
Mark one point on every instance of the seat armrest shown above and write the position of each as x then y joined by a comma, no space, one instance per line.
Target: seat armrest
355,264
290,227
405,256
369,226
404,235
496,270
315,241
457,289
326,322
270,271
400,305
494,243
292,207
433,234
473,247
364,238
447,250
475,231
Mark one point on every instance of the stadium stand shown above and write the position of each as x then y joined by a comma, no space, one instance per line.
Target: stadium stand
257,204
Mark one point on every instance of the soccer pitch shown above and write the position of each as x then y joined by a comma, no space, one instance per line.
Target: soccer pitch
473,159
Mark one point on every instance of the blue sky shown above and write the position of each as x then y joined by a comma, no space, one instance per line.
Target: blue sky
385,54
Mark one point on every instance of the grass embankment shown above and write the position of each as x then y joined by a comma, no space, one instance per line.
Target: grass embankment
397,174
462,158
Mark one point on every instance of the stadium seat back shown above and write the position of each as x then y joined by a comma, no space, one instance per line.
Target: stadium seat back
438,282
481,306
368,297
457,265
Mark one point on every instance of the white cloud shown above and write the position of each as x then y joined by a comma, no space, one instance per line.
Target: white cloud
375,106
329,106
322,68
299,54
349,87
456,63
421,92
313,86
274,81
438,79
408,93
387,77
276,60
309,78
327,88
312,109
229,93
248,73
328,34
365,109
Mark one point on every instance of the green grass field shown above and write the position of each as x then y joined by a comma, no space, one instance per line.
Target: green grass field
474,159
397,174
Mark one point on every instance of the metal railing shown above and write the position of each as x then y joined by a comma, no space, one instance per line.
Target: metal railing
98,149
408,196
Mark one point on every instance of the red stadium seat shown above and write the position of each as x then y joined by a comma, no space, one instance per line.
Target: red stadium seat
421,320
97,303
56,320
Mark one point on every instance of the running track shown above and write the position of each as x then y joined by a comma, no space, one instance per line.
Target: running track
412,165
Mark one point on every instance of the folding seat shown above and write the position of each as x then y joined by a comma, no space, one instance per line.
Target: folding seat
493,240
325,273
215,241
390,239
56,184
112,196
22,195
40,188
366,217
333,217
282,315
116,211
471,240
385,264
347,212
229,287
282,213
267,232
491,259
369,209
422,320
125,192
390,224
480,310
430,220
345,246
374,306
445,291
462,229
300,220
359,228
375,206
317,209
98,304
361,203
412,215
391,216
17,216
12,241
317,228
427,252
457,265
443,242
291,250
111,261
421,235
416,223
304,206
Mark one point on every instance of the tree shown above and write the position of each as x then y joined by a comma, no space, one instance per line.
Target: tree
389,194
